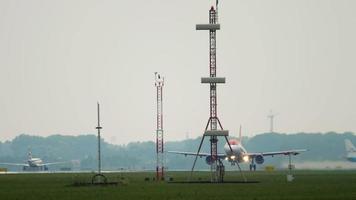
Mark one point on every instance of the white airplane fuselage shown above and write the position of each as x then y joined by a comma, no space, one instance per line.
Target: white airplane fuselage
35,162
238,153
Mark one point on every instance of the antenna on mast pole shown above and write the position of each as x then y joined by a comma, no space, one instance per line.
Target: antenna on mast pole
99,178
98,128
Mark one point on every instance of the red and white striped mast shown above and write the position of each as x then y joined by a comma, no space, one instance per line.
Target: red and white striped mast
159,83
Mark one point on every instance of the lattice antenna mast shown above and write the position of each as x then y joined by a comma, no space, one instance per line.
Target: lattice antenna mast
213,128
99,148
159,83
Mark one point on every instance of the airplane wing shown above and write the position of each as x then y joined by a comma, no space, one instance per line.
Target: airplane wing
15,164
273,153
53,163
220,155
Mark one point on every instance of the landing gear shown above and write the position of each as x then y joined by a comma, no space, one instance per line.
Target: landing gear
35,168
290,176
252,165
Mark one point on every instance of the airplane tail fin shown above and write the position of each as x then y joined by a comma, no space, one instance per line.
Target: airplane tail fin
349,146
29,154
240,137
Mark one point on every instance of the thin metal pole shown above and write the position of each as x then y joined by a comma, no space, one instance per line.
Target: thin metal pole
196,156
99,148
242,174
290,164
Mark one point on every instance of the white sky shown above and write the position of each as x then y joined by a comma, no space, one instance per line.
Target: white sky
58,58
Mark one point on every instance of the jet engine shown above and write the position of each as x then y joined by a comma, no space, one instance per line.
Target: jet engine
259,159
209,160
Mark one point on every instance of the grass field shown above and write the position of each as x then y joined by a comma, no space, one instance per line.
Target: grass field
339,185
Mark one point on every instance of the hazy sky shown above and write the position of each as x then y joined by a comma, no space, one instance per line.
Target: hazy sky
58,58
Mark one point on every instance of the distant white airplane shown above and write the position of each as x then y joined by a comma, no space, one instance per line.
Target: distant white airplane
350,151
33,164
239,154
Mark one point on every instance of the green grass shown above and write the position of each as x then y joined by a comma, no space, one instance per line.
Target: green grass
273,185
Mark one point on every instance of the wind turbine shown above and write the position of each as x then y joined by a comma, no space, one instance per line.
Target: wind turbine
271,117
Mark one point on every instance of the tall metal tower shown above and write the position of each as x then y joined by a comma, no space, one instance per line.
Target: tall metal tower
213,128
99,148
99,178
159,82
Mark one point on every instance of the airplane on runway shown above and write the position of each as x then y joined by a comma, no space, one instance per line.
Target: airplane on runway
350,151
33,164
239,154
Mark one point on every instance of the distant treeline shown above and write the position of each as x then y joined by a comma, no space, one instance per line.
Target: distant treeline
141,155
